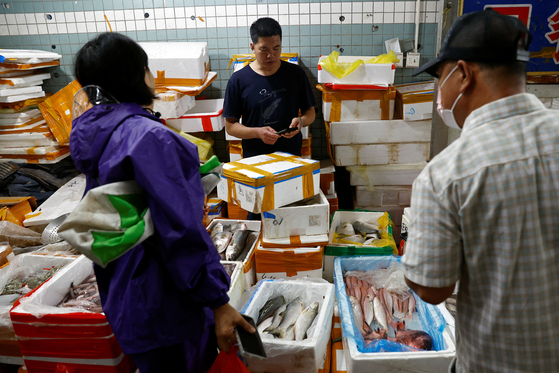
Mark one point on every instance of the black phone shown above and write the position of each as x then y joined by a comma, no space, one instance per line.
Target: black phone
250,343
286,130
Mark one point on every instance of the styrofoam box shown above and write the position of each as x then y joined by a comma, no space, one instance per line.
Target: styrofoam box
236,288
379,132
285,191
338,218
403,174
22,97
307,241
28,140
23,261
417,110
365,74
381,154
179,60
249,270
353,110
303,356
307,217
26,80
379,362
316,272
383,196
173,104
8,91
205,116
304,132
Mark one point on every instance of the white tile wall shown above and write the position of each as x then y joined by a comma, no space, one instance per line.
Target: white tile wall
216,16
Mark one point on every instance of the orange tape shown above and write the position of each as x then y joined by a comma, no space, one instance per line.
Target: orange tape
23,104
161,80
290,245
25,66
32,215
295,240
288,261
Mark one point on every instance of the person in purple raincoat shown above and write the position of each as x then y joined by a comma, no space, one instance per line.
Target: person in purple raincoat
159,296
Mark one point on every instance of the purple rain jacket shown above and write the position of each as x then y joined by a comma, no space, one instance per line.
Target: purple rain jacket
154,295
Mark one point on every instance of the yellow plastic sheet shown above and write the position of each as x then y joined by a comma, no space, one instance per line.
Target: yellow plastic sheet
203,142
342,69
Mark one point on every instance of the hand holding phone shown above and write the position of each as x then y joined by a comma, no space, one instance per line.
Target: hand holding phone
286,130
250,344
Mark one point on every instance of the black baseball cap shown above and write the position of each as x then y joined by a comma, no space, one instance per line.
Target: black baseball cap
484,36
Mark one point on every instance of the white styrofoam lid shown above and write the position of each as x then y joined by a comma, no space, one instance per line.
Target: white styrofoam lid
28,53
174,49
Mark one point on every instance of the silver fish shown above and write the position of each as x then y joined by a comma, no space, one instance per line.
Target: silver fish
264,324
290,333
361,227
237,244
305,320
292,312
221,241
269,308
217,228
240,226
357,313
380,313
278,316
368,309
345,229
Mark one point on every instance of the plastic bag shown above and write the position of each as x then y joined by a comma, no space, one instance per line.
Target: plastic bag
203,142
430,318
389,57
228,362
339,69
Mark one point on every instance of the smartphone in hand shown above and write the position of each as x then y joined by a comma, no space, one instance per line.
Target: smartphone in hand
250,344
286,130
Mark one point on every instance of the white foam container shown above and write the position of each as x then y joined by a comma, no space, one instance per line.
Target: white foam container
403,174
298,254
304,218
21,97
28,139
406,362
205,116
179,60
5,91
365,74
249,268
379,132
381,154
303,356
383,196
353,110
236,288
173,104
24,80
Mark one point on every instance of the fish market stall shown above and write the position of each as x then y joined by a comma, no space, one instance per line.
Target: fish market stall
236,240
59,328
386,327
299,314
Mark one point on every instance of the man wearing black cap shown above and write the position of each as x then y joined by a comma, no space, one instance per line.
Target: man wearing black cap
485,210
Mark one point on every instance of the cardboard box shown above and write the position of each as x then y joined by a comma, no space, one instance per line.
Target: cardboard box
303,356
303,218
333,250
379,132
306,148
237,287
249,270
288,263
205,116
414,101
266,182
51,336
401,174
416,361
357,105
365,74
235,212
178,63
383,196
333,201
217,209
327,184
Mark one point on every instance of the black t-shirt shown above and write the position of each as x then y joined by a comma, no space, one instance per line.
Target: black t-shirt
269,101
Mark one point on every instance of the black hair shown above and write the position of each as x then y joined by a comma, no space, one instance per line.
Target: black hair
264,27
117,64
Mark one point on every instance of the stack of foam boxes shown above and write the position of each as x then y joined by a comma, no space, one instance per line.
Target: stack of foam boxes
380,132
25,134
285,189
182,71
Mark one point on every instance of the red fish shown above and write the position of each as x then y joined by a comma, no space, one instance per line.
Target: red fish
413,338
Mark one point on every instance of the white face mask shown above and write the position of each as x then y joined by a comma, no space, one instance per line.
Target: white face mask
446,114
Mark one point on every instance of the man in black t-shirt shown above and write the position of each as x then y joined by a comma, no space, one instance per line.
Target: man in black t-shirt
268,94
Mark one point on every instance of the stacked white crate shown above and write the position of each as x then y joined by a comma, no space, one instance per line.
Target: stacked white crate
24,134
384,156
